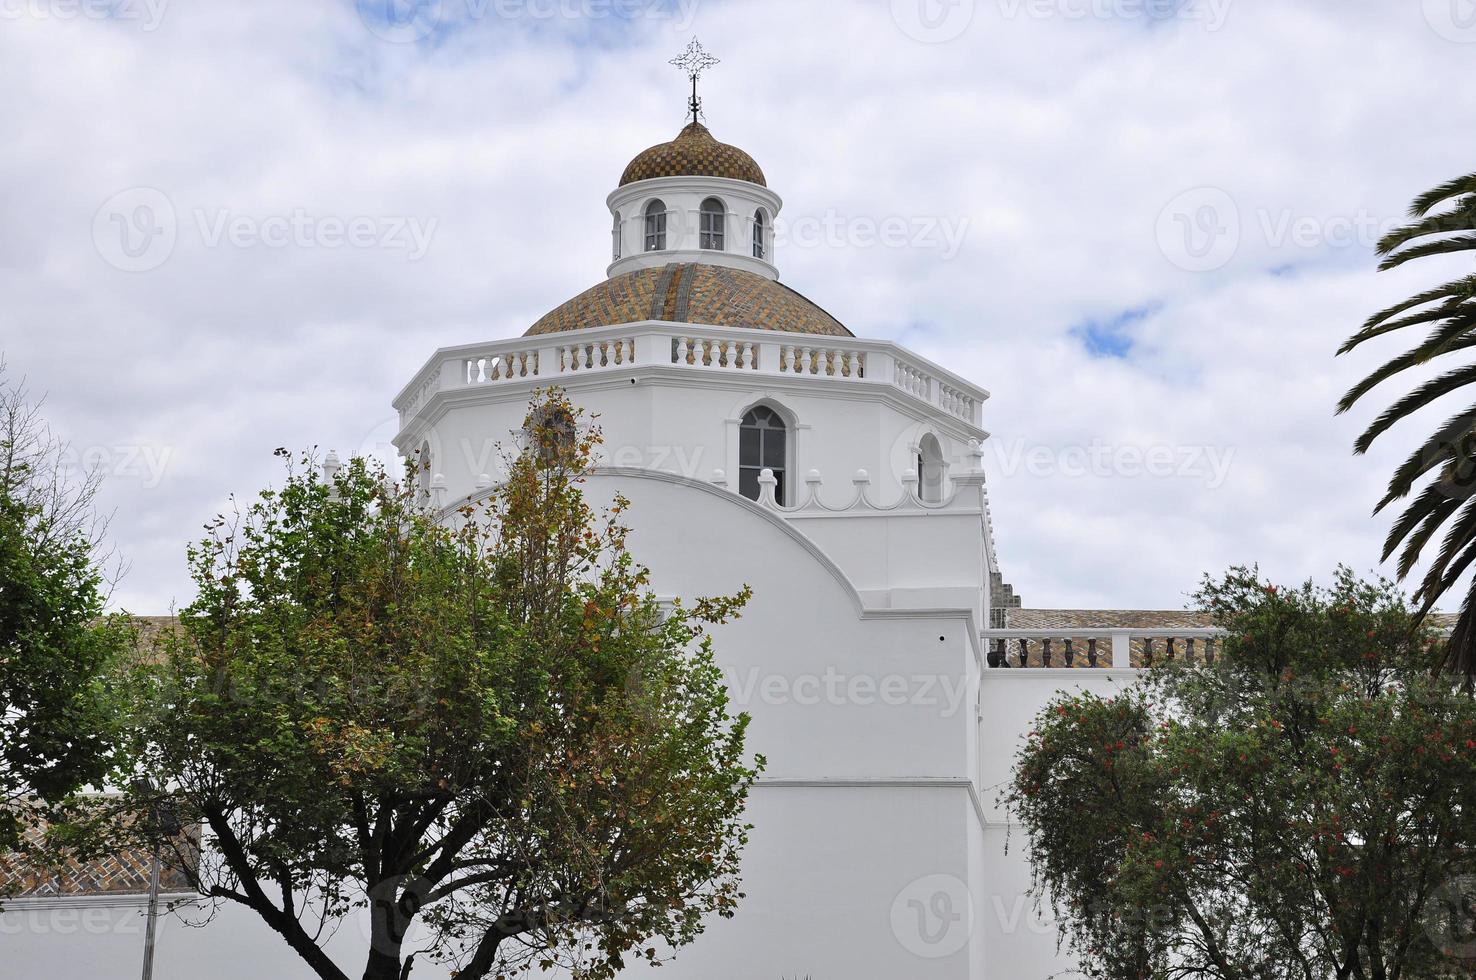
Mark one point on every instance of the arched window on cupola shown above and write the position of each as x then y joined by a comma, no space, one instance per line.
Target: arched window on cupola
655,226
763,443
615,237
714,220
930,468
760,233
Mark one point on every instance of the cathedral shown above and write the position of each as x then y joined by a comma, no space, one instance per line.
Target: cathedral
889,670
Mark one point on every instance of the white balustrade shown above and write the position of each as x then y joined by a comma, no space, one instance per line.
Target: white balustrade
707,348
709,352
955,402
824,361
594,354
486,368
1037,648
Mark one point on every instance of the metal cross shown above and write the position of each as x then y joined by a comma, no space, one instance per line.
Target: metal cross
694,61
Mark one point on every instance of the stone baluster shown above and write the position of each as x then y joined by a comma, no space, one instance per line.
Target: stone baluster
1045,652
1024,652
1147,651
1092,652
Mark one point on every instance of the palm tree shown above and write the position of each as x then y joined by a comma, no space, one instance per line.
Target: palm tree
1442,221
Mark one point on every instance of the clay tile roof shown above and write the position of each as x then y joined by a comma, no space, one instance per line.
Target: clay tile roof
1084,619
694,153
692,292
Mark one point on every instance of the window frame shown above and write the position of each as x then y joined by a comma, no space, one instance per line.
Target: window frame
712,225
932,469
655,237
767,426
760,235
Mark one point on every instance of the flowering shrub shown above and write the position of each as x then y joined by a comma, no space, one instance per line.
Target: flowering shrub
1303,807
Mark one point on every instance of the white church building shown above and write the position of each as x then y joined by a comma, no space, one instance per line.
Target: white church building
889,671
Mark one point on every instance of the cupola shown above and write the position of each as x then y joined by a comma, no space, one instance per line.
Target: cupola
693,199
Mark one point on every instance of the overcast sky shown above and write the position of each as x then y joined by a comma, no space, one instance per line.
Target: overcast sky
1143,225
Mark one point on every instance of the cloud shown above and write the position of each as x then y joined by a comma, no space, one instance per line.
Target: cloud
1222,167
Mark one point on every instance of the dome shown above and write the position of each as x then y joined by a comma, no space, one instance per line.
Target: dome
694,153
692,292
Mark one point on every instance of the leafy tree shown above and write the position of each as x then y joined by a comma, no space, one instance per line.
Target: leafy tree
483,727
1443,222
55,644
1301,808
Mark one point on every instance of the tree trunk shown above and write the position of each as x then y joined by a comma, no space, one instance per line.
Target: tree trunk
383,965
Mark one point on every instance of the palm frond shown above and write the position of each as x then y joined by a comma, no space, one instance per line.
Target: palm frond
1460,648
1456,546
1442,340
1445,246
1414,401
1435,451
1460,218
1436,196
1451,292
1442,222
1423,516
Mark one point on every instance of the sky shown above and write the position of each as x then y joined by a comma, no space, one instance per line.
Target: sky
1143,225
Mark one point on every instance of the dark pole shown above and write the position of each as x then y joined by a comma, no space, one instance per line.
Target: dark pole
153,915
162,822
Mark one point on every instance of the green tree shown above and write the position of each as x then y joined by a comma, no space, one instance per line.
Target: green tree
55,643
483,727
1443,222
1301,808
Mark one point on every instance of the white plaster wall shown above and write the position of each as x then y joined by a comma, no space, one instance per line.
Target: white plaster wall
872,807
655,420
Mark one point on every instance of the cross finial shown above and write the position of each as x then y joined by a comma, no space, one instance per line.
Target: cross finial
694,61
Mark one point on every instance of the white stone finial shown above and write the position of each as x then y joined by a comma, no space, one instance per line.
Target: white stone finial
720,478
861,479
813,478
438,492
331,466
909,480
767,483
484,482
976,456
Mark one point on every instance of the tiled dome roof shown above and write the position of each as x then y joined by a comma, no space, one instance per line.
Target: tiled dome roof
694,153
692,292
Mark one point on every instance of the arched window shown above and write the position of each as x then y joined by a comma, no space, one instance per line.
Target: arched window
762,444
760,231
551,433
615,237
655,226
423,469
930,469
713,221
